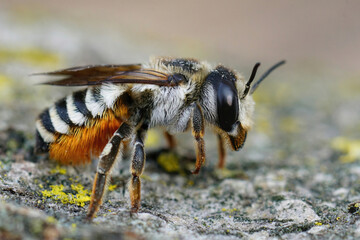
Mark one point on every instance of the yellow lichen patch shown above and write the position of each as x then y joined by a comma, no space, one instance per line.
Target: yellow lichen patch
349,148
223,173
51,220
190,183
169,161
82,195
232,210
112,187
34,56
59,170
318,224
57,193
152,138
6,88
5,81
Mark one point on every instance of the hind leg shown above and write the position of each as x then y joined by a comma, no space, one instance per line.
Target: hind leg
107,159
137,168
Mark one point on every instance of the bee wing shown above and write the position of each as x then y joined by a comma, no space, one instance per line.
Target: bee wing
93,70
100,74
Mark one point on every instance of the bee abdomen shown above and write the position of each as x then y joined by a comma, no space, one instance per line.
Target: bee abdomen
45,132
72,111
79,126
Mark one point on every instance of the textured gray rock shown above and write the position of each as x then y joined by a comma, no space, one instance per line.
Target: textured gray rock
295,210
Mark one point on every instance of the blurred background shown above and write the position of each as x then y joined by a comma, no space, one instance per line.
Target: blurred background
314,96
305,138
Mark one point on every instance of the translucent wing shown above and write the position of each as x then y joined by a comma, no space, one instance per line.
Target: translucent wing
100,74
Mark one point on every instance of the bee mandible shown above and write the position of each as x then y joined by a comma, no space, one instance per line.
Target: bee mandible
121,102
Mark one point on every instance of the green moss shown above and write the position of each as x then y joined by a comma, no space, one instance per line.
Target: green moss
277,198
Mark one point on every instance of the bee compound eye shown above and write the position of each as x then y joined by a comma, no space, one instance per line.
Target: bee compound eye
227,106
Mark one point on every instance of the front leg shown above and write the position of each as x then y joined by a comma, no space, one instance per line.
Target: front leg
198,133
222,151
106,162
171,142
137,168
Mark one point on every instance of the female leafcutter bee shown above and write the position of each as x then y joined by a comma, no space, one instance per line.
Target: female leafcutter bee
122,102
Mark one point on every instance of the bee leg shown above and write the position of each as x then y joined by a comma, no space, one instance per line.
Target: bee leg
171,142
106,162
222,151
198,133
137,168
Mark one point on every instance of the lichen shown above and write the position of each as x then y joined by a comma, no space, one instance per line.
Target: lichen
170,162
34,56
112,187
152,138
348,147
232,210
57,193
59,170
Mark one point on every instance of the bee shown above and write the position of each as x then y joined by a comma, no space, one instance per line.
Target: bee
121,102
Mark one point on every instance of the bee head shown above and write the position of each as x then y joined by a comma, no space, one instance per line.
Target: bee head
226,105
229,104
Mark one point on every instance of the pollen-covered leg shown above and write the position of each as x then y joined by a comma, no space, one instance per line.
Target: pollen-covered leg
222,152
198,133
170,140
106,162
137,168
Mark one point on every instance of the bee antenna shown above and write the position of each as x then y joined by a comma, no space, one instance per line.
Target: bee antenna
248,84
255,86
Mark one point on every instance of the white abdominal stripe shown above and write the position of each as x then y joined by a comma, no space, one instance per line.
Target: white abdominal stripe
75,116
94,102
44,133
59,125
74,110
110,93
